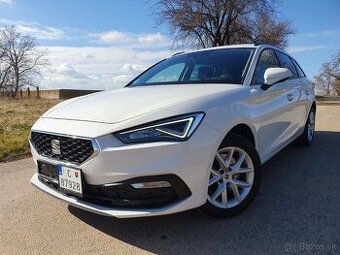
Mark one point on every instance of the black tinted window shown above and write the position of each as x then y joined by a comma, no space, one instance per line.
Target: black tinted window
267,60
212,66
287,63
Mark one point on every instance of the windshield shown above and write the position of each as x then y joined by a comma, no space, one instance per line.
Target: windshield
212,66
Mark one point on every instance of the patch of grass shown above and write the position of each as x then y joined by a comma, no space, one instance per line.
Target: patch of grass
16,120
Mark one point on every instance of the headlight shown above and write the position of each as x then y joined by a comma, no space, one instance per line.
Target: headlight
178,128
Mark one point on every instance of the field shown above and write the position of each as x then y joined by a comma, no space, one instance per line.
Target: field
16,119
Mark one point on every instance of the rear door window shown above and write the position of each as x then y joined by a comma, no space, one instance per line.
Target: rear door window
299,70
286,62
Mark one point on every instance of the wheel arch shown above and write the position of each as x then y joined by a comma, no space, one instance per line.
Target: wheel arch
245,131
313,106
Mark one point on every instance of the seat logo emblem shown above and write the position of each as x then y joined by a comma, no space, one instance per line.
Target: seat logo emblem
55,146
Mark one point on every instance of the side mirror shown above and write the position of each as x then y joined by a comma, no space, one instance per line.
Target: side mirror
275,75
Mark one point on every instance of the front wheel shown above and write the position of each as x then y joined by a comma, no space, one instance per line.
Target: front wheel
234,178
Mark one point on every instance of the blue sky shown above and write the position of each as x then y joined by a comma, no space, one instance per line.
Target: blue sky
103,43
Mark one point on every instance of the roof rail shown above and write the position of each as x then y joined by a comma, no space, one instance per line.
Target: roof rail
177,53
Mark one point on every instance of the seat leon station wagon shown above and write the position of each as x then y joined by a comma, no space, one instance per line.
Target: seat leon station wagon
190,132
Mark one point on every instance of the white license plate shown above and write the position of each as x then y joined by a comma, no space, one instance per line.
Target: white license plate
70,179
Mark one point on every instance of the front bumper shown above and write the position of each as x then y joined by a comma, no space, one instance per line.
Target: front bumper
116,162
105,210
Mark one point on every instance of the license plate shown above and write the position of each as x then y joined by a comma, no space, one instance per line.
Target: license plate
70,179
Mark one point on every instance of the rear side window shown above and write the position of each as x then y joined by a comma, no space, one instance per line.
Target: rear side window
298,68
287,63
266,60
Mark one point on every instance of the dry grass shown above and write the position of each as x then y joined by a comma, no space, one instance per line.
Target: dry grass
16,120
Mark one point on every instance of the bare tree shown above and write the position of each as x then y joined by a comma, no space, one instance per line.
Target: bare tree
328,80
324,83
336,87
5,71
22,56
268,29
333,67
205,23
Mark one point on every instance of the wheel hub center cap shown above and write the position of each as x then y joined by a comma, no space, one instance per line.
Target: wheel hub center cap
227,173
227,176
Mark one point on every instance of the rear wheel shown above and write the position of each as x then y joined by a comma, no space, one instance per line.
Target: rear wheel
234,178
307,136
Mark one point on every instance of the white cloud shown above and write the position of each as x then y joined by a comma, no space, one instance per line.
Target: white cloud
67,76
110,36
10,3
121,79
324,33
36,29
114,37
295,49
96,67
39,31
153,39
331,33
131,68
117,58
69,73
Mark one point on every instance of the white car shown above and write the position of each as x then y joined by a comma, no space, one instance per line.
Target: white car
191,131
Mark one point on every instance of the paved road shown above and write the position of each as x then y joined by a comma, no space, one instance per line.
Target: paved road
297,209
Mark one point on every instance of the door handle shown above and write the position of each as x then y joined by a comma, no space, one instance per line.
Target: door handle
290,97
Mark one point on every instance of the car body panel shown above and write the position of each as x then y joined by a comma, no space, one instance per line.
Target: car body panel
132,102
276,116
109,165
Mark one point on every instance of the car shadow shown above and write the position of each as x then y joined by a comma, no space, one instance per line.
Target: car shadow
298,203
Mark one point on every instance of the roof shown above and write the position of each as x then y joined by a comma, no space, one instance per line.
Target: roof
235,46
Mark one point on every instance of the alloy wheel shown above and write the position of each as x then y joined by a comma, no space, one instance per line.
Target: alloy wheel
311,126
231,178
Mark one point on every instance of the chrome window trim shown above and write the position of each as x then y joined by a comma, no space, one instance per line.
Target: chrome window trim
95,145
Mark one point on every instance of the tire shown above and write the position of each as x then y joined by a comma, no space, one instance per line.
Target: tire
306,139
233,149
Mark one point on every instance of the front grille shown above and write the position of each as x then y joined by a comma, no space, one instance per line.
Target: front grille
72,150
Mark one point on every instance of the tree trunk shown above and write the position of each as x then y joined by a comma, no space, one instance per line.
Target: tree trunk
328,91
16,86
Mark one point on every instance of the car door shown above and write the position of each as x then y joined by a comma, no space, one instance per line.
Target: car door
273,108
298,93
306,94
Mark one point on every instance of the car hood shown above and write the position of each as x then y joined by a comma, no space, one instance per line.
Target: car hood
119,105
